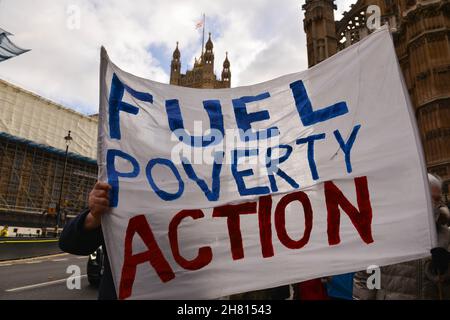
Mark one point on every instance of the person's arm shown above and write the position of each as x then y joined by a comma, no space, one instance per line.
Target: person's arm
360,289
75,239
83,235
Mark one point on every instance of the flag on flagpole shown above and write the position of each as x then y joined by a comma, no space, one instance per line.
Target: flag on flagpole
7,48
199,25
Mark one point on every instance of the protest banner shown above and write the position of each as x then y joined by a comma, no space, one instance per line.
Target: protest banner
216,192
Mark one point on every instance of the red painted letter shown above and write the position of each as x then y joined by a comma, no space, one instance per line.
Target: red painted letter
265,226
362,219
153,255
232,212
204,256
280,220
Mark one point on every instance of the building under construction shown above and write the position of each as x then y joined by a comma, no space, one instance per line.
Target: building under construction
33,157
32,148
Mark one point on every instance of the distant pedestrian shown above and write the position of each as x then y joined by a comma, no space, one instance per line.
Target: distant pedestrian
4,232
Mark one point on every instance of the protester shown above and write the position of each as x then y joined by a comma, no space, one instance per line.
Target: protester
83,235
340,287
427,278
311,290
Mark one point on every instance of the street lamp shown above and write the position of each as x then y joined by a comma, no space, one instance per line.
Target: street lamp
68,140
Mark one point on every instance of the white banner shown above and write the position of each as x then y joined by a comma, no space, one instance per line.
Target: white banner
217,192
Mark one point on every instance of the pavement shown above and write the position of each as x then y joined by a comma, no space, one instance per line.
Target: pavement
45,278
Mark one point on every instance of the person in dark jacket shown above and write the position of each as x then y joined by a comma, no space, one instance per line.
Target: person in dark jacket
422,279
83,235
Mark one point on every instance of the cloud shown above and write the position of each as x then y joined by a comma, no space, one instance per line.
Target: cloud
264,39
342,5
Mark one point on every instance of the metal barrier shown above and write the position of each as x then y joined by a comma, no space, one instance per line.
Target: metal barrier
22,248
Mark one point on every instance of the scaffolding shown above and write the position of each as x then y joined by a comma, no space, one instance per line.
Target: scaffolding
31,173
29,116
32,156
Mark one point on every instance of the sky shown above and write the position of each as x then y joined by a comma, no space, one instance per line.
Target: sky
264,40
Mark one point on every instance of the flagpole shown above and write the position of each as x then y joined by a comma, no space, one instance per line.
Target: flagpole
203,39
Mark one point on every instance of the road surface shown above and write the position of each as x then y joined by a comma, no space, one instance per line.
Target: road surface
44,278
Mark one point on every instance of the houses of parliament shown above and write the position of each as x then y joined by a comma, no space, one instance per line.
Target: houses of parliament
421,34
202,75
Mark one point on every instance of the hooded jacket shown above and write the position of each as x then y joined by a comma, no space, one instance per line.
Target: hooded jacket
76,240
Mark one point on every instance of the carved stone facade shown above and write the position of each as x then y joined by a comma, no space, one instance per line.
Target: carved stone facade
202,75
421,33
320,29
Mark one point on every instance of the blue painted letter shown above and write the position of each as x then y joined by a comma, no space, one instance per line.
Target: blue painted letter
310,141
304,107
347,146
239,175
272,167
213,194
244,119
114,175
116,104
214,110
161,193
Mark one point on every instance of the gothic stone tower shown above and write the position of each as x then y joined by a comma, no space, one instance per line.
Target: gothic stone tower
421,33
202,74
320,30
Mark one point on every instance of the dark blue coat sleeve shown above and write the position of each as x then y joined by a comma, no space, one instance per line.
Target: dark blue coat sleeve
75,240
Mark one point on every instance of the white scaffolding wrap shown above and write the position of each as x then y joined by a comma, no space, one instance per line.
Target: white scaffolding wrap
29,116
